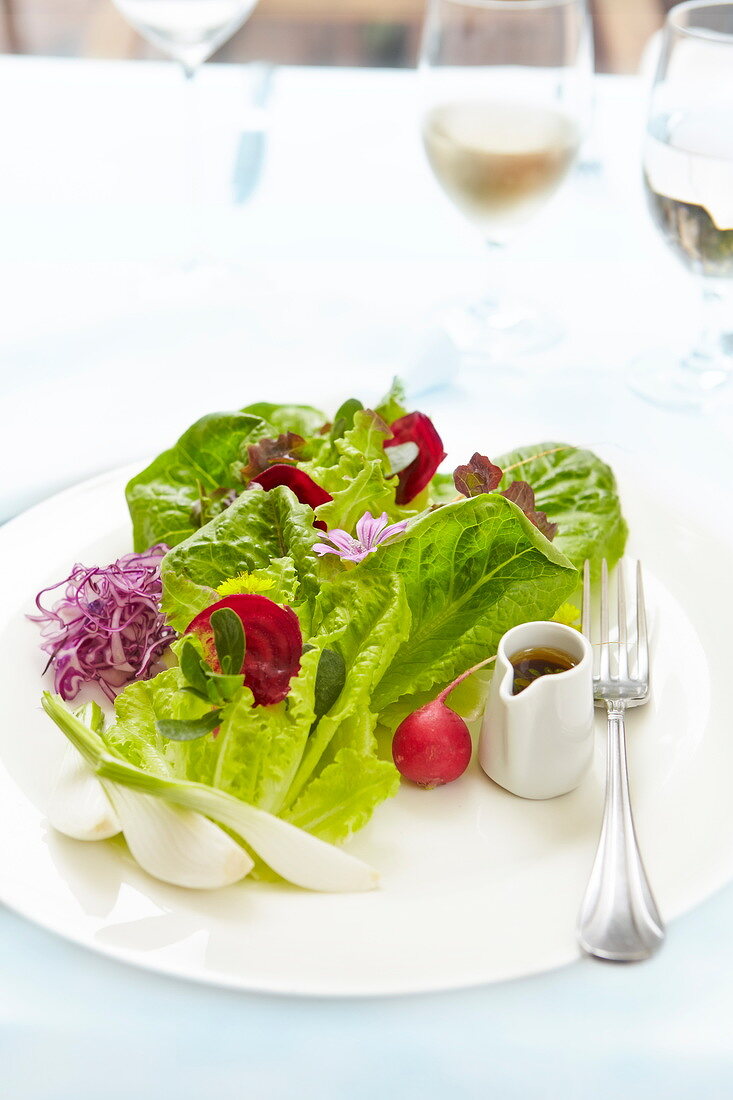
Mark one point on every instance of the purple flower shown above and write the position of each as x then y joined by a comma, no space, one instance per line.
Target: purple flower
370,532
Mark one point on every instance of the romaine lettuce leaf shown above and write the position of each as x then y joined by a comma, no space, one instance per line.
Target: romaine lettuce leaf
258,529
258,749
163,497
365,624
578,492
471,570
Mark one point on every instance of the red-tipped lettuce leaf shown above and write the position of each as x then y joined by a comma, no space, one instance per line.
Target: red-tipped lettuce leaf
416,428
274,644
285,449
305,488
479,475
522,495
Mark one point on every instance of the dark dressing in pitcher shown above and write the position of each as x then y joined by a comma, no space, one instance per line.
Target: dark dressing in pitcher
530,664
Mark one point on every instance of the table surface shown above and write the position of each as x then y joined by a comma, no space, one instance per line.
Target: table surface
330,278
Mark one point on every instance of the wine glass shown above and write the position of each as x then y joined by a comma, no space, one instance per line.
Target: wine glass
506,99
189,31
688,179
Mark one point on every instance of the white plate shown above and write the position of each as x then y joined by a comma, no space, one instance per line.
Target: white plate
477,885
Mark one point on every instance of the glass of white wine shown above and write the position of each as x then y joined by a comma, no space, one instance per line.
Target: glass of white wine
189,32
507,87
688,178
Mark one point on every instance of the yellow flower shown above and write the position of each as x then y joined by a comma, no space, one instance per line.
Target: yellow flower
568,614
245,584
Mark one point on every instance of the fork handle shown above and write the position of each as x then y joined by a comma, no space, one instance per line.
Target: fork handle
619,919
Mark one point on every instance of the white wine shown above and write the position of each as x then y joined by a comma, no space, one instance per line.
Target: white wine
188,30
688,173
497,161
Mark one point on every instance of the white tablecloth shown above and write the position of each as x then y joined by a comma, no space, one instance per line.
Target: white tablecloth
334,276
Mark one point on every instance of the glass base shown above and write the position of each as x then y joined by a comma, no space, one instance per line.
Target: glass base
501,328
671,382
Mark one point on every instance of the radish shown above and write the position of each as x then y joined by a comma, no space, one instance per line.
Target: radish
432,746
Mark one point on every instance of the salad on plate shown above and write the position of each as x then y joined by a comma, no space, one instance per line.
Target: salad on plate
307,618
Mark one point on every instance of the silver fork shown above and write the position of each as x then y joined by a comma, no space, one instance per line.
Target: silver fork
619,919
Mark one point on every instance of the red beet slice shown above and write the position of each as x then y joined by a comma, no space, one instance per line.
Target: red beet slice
416,428
305,488
274,644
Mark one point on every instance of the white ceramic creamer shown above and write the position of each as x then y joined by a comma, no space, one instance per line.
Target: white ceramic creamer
539,743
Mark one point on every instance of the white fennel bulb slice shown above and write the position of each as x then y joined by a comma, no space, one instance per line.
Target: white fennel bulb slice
78,806
177,846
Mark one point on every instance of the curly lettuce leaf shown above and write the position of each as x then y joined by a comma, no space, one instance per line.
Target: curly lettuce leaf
392,406
578,492
134,734
342,798
360,481
471,570
164,497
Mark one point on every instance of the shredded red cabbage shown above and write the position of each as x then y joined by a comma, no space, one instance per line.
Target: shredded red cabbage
107,626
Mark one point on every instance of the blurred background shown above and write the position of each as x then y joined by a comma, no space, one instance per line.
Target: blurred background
301,32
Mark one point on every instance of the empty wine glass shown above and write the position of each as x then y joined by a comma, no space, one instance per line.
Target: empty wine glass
189,31
507,96
688,178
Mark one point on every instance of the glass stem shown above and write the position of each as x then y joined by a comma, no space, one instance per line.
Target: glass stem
708,353
192,169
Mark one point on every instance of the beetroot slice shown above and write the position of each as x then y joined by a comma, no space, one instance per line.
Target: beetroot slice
305,488
274,644
416,428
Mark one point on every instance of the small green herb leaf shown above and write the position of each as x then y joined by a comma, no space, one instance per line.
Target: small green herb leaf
228,639
330,680
188,730
220,689
193,668
195,691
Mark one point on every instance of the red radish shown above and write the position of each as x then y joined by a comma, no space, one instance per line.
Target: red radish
305,488
273,644
432,746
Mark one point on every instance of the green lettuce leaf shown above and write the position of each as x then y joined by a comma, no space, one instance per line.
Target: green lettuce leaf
164,497
360,480
258,749
342,798
183,599
578,492
258,529
365,624
471,570
134,734
304,420
392,406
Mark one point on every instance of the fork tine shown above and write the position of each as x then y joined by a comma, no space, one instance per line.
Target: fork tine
585,613
642,640
605,664
623,656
